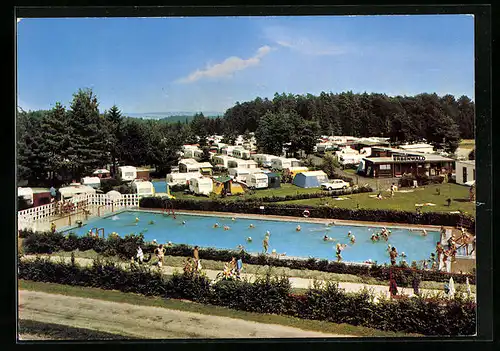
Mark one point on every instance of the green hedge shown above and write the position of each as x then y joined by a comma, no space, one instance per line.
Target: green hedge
125,248
253,207
427,316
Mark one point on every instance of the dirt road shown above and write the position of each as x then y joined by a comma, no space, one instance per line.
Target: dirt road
144,321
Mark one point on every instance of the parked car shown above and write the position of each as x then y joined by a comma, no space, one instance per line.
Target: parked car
335,184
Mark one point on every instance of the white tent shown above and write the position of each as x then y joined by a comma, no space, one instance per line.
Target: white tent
114,195
101,171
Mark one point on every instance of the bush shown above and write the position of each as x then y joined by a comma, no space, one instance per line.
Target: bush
108,184
269,295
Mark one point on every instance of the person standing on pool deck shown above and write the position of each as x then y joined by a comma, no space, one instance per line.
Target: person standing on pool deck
196,257
160,253
439,251
393,254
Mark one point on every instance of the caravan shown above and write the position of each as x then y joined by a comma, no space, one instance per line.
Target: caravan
240,174
94,182
127,173
201,186
281,163
26,194
143,188
258,180
181,178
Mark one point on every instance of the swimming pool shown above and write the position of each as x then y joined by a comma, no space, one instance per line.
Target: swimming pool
198,230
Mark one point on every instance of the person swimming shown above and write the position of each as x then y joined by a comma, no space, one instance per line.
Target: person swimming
424,232
326,238
298,229
374,237
226,227
353,239
183,222
349,233
115,218
136,219
251,226
233,219
151,222
249,239
268,233
216,225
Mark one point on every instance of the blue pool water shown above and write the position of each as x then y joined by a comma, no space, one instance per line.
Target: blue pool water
199,230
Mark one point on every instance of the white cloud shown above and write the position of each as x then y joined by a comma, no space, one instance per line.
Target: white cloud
227,67
292,39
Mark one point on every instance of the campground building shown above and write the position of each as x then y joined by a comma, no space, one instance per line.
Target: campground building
385,162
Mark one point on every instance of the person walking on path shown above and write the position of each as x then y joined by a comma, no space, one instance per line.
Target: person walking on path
393,287
196,257
393,254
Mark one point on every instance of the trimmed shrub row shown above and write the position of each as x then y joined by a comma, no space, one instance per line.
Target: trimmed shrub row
125,248
268,294
371,215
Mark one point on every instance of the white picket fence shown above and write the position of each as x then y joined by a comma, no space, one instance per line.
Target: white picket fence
26,218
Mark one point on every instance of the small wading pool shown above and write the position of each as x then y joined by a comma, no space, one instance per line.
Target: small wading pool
199,230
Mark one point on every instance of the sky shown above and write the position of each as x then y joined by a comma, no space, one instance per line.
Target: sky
209,63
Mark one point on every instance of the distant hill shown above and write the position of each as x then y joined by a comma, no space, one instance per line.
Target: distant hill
173,115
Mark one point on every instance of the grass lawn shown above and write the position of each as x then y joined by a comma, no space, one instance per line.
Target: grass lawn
467,144
117,296
459,195
178,261
63,332
284,190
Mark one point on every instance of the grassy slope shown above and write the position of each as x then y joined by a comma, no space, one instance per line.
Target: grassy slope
62,332
135,299
459,195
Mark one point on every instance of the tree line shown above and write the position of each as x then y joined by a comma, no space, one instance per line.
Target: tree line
64,144
401,118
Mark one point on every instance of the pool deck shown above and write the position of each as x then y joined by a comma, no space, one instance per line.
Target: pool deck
301,219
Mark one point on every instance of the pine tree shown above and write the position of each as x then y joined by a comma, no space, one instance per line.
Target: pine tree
57,142
114,121
89,134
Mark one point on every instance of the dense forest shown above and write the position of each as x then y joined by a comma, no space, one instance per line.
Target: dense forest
67,143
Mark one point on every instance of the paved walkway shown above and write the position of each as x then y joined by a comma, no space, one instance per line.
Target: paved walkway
302,283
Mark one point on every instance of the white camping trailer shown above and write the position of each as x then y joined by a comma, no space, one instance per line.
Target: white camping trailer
94,182
181,178
143,188
201,186
26,194
127,173
258,180
73,190
282,163
240,174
